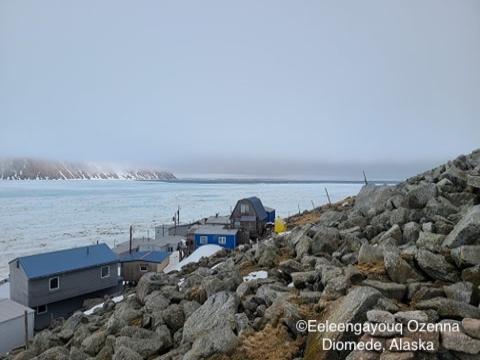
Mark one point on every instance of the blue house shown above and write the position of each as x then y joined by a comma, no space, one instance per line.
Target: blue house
55,284
270,214
218,235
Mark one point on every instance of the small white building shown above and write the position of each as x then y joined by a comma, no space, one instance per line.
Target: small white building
12,325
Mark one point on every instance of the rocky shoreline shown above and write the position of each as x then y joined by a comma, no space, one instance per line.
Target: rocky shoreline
390,257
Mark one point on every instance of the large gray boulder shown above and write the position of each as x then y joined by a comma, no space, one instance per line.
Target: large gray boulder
54,353
303,279
296,234
398,269
467,231
267,254
388,289
174,317
144,343
124,353
303,246
370,254
413,315
393,235
440,207
456,176
45,340
372,199
210,327
94,343
128,310
268,293
410,232
461,291
430,241
156,301
448,308
466,255
326,240
289,266
458,340
473,181
350,309
419,195
435,266
70,325
472,327
151,282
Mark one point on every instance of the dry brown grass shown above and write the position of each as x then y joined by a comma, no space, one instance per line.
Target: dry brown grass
247,267
284,254
313,216
372,268
137,322
271,343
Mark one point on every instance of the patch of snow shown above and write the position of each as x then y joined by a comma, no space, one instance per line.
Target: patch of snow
90,311
202,251
217,265
182,280
262,274
172,262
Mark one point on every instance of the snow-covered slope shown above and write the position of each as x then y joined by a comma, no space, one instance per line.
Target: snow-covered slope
30,169
202,251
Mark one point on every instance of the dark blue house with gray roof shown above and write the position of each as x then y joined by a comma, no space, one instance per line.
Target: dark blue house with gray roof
55,284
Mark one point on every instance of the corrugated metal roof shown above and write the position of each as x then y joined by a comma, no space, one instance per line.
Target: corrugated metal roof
147,256
138,244
214,230
10,309
57,262
268,209
224,220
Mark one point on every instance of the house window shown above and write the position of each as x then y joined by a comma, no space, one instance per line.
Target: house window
54,283
244,208
203,239
42,309
143,268
222,240
105,271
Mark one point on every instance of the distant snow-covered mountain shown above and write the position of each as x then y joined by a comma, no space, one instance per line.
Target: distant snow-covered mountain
35,169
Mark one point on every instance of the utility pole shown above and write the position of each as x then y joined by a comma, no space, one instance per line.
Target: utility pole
328,196
25,314
131,239
365,178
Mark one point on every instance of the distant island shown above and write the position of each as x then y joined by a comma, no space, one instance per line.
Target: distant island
36,169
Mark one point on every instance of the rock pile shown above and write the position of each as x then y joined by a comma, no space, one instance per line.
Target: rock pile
399,255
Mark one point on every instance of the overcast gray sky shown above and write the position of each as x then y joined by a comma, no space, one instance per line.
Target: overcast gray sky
258,88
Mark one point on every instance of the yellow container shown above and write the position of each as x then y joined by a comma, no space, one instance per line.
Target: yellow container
280,225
